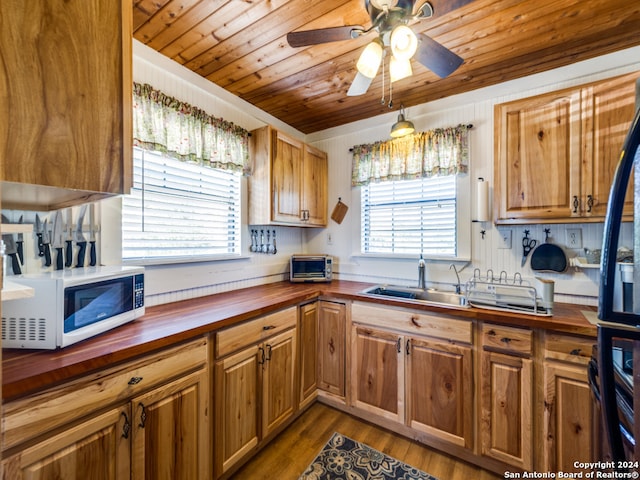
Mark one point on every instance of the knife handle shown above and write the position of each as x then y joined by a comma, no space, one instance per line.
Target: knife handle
82,248
59,262
20,250
68,254
15,264
47,255
40,245
92,254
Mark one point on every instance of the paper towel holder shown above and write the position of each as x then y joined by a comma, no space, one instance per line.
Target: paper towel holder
482,201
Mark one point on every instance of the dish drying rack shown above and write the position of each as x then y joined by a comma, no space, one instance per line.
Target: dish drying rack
513,294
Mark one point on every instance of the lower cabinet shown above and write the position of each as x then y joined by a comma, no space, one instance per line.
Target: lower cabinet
255,383
146,419
506,395
332,334
308,348
417,370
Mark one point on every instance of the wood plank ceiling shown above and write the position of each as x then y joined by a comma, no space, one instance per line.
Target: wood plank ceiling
241,46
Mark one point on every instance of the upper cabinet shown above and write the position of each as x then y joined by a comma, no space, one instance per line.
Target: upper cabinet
556,154
288,185
66,91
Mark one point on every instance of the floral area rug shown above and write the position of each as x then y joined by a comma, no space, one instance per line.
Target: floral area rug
345,459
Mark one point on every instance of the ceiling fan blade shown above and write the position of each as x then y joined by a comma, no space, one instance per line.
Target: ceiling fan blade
359,86
323,35
442,7
437,58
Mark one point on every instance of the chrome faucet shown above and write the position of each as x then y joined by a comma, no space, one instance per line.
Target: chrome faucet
458,288
422,268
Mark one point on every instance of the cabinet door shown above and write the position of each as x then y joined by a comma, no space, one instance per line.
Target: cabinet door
171,430
332,326
537,156
67,73
286,177
440,390
314,186
607,112
278,389
506,408
97,449
377,377
237,402
308,353
568,417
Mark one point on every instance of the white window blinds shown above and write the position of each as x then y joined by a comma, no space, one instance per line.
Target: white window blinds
410,216
178,209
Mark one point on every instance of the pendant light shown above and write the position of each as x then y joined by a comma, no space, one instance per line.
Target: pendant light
402,127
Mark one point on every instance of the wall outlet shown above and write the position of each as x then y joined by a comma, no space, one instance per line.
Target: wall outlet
504,239
574,238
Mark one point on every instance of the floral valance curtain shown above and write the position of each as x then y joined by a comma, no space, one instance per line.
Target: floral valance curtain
187,133
443,151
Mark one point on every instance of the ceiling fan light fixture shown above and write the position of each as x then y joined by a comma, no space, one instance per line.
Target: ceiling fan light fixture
399,69
402,127
370,59
404,42
382,4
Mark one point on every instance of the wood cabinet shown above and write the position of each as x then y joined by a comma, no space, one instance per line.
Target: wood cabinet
254,385
556,153
569,419
67,90
288,185
308,348
332,332
145,419
415,369
506,395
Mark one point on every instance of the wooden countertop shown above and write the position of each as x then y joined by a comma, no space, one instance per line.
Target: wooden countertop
27,371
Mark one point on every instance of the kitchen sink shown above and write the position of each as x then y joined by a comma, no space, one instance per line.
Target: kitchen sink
429,296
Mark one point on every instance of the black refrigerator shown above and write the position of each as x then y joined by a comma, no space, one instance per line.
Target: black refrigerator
614,372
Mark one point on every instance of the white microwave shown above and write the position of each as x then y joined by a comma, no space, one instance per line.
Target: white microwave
72,305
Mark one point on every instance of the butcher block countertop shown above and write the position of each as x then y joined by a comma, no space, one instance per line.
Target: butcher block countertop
28,371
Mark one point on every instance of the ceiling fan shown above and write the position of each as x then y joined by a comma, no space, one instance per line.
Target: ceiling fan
390,19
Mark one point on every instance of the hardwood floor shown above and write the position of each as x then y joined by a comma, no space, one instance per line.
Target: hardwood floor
286,457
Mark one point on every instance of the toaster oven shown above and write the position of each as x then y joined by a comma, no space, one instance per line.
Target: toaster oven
311,268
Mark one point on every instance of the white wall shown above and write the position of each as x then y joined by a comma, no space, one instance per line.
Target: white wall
173,282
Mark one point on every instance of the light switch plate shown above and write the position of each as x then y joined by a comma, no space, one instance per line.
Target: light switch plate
504,239
574,238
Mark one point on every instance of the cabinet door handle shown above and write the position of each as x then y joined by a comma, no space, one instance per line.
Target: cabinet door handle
589,203
143,415
576,204
332,347
268,352
134,380
408,346
399,344
261,360
126,427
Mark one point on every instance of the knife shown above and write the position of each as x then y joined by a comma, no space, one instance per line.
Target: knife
20,242
79,238
92,235
46,240
39,230
10,249
57,239
68,228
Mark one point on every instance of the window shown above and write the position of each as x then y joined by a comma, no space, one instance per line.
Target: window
179,209
410,217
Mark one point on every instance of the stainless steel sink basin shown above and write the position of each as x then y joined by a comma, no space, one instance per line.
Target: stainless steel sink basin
418,295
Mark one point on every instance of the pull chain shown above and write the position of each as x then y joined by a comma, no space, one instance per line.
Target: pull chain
382,100
390,94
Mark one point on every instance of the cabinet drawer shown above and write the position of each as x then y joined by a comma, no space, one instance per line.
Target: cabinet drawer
507,339
234,338
568,348
413,322
34,415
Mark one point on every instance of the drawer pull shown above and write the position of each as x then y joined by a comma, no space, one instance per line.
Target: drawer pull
135,380
268,327
143,415
126,427
505,340
491,333
575,351
414,320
